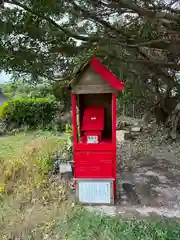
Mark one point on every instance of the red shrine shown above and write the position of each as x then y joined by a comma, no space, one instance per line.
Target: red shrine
94,132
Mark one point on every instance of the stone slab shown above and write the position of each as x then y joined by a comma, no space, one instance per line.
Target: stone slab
103,210
65,168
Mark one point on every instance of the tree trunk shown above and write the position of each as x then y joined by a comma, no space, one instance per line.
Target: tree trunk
167,113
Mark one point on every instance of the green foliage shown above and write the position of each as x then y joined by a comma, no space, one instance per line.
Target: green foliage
84,225
134,38
68,131
8,88
42,45
23,88
32,112
69,135
41,90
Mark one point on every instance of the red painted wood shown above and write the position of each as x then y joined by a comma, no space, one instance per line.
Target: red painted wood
107,75
93,165
114,118
104,145
93,118
114,138
74,120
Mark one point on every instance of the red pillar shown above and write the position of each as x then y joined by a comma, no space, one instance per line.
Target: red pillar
74,120
114,139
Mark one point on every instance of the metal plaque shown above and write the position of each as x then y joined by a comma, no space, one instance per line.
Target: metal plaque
94,192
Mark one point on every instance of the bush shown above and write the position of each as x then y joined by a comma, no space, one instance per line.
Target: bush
31,112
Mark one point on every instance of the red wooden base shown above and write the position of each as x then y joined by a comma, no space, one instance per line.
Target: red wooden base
95,165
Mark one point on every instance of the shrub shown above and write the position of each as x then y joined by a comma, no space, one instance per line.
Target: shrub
31,112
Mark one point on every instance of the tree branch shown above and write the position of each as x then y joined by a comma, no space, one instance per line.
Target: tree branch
166,8
168,79
170,65
127,42
157,43
52,22
92,16
146,12
161,72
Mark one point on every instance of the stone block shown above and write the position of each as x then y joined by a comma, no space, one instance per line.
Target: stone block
65,171
135,129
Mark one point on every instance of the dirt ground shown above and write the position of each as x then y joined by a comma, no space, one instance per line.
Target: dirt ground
148,181
148,178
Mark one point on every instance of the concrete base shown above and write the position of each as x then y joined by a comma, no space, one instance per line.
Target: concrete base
103,210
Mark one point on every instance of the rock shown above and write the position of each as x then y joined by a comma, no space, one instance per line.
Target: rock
12,126
66,117
127,177
121,135
65,168
15,130
55,169
135,129
66,171
121,124
128,136
131,194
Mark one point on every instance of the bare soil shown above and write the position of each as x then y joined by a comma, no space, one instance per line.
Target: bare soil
148,177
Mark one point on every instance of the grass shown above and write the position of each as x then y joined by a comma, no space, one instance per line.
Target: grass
15,144
28,194
34,207
83,225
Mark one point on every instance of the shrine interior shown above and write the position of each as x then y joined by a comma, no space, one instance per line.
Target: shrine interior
105,100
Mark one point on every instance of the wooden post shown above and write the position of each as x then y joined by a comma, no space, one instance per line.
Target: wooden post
74,120
124,109
133,111
114,139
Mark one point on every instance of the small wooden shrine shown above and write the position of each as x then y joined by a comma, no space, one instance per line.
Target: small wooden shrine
94,90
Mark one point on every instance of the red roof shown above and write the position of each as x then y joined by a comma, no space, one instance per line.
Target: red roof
107,75
93,118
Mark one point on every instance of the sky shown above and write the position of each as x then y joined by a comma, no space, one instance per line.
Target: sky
4,77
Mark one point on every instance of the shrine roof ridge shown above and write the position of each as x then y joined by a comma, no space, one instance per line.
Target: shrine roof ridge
101,70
